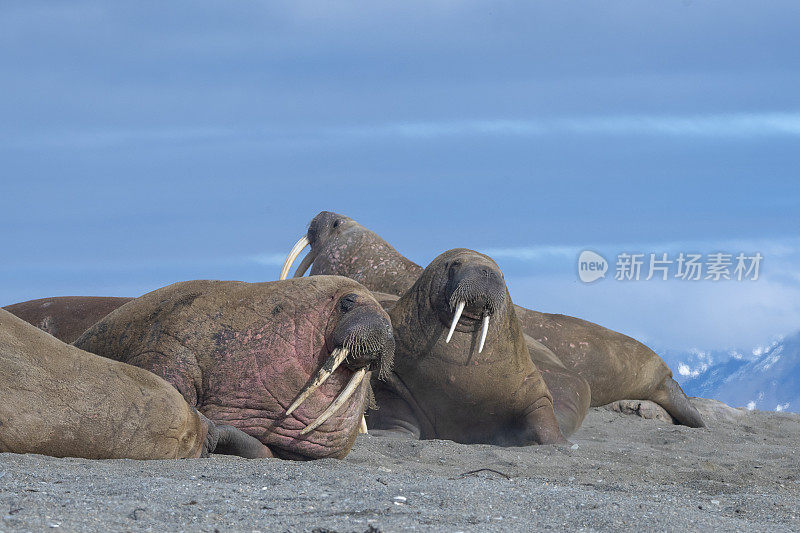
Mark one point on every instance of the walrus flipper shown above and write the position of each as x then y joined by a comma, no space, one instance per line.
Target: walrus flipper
672,398
234,441
394,416
571,396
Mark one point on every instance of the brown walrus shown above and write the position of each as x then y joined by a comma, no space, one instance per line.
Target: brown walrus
242,352
462,370
65,317
616,366
570,392
58,400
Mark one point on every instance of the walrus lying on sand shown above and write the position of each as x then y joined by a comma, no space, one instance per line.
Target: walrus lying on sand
616,366
462,370
570,392
65,317
58,400
242,352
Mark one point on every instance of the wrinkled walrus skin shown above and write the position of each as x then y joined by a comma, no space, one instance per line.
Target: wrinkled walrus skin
616,366
242,352
61,401
452,390
66,317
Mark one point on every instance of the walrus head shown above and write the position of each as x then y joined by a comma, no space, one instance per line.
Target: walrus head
341,246
466,291
326,231
359,336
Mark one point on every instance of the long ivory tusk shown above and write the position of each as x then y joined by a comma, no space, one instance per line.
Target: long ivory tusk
484,331
304,264
362,428
331,364
459,310
348,391
296,249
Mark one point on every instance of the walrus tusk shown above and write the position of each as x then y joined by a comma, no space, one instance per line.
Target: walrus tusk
331,364
348,391
296,249
362,428
304,264
459,310
484,331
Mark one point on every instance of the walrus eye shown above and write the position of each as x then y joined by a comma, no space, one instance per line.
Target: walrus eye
348,302
336,223
453,266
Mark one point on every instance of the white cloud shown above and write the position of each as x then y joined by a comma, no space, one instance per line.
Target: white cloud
728,126
673,314
713,126
533,253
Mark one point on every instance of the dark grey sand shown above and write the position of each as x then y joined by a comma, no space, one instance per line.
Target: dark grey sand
625,473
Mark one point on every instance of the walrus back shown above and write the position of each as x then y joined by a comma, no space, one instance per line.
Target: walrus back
66,317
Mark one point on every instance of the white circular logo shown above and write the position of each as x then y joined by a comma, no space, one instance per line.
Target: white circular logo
591,266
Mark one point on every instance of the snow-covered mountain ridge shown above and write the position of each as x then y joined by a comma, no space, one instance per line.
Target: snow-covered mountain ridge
767,379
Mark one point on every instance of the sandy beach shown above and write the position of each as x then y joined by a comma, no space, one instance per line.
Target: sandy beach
622,473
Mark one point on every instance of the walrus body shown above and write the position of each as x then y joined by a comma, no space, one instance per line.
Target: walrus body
613,363
615,366
61,401
476,384
241,352
66,317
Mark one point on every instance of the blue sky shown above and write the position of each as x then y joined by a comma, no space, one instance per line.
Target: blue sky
143,144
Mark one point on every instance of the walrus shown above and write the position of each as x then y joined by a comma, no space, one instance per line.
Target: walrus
65,317
283,361
462,370
570,392
615,366
61,401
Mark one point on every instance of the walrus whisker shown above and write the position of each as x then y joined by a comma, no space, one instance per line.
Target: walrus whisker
459,310
330,365
348,391
484,331
295,251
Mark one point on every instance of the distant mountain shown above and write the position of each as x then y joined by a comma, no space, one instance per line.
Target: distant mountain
768,379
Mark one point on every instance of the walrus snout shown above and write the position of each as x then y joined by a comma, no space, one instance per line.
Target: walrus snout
367,336
362,340
474,291
480,287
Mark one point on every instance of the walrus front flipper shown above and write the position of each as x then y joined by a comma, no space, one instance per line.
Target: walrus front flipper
672,398
232,441
394,415
539,426
571,396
